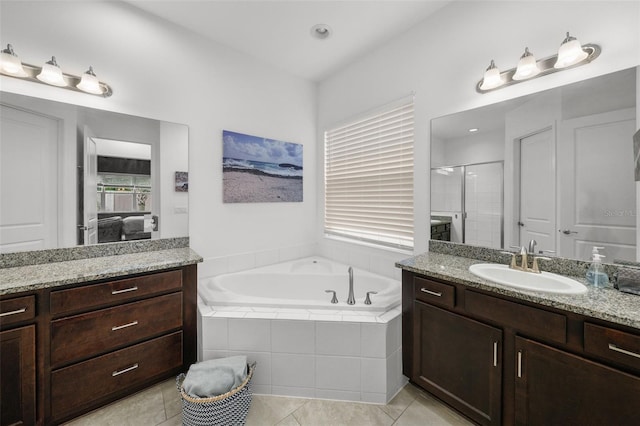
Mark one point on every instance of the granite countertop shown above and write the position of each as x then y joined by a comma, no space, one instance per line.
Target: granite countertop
607,303
35,277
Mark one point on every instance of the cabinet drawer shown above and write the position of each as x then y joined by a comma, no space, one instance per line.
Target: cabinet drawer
112,292
613,345
434,292
75,387
526,319
82,336
17,309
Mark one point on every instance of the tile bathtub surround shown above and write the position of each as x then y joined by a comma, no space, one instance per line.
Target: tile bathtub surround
606,303
160,406
298,356
377,261
37,257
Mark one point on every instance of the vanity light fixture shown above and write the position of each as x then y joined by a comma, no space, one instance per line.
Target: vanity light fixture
473,130
51,74
571,54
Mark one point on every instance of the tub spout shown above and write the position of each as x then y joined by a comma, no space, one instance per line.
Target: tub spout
351,300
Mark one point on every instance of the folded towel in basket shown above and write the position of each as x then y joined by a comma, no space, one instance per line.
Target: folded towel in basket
215,377
628,280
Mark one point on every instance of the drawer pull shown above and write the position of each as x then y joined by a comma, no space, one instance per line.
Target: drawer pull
126,370
433,293
120,327
624,351
495,354
126,290
519,363
17,311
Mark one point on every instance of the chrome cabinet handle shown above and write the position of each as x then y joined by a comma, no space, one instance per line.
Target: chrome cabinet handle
433,293
623,351
120,327
495,354
126,370
126,290
567,231
519,363
17,311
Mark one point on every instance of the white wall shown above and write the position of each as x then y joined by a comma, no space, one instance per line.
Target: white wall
161,71
174,208
442,59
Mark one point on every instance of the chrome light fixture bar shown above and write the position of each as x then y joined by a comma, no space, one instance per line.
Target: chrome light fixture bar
570,55
51,75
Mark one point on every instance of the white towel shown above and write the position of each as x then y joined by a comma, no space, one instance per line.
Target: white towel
215,377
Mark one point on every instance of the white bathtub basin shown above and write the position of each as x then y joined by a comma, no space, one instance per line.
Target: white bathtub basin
546,281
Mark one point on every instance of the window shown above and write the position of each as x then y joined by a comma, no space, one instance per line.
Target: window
369,177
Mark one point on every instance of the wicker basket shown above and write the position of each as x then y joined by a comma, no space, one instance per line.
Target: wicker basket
228,409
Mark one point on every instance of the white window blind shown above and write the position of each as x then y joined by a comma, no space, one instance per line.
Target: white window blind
369,177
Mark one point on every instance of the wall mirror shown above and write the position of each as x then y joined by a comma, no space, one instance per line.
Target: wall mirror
72,175
556,167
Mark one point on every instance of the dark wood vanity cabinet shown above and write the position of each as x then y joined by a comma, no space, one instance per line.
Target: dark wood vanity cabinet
17,361
457,359
502,361
93,343
554,387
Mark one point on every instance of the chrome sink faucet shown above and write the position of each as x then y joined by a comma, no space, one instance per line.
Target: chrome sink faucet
532,246
351,300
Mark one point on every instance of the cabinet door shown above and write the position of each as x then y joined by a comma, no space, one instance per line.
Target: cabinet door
554,387
18,372
459,360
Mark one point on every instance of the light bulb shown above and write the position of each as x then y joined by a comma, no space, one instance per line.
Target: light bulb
52,74
10,63
570,53
527,66
492,78
89,83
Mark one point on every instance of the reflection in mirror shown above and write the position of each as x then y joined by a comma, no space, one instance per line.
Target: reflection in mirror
123,167
124,190
556,167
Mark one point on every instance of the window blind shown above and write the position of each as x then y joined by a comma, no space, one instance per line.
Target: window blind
369,177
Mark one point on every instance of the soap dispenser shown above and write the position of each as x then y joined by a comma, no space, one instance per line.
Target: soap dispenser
595,273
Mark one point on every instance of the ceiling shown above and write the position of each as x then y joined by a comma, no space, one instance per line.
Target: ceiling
279,32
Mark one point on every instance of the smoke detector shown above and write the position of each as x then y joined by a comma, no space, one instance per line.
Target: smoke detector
321,31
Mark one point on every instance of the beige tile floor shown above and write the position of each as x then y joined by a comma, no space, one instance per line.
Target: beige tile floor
161,405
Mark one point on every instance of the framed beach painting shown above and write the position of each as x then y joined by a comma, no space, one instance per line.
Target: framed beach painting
260,170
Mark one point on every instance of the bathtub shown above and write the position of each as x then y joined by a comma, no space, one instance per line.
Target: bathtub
301,284
280,317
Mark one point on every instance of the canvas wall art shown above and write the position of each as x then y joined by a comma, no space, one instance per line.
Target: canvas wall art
260,170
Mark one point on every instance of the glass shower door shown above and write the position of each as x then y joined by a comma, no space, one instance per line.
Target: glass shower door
483,205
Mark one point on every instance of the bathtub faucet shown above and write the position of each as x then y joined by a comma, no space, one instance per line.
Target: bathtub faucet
351,300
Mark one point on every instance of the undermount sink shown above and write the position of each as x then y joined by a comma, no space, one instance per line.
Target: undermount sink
546,281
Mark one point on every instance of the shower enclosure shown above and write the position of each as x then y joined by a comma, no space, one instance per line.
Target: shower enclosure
470,198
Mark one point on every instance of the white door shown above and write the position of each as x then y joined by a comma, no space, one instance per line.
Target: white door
597,186
28,181
537,190
90,174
